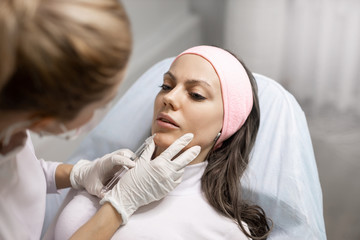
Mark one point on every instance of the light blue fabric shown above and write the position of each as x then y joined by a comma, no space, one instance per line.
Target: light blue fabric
282,176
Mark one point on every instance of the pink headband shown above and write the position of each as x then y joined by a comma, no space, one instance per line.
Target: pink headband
235,87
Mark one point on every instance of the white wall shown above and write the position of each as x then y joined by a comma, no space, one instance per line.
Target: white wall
254,30
310,46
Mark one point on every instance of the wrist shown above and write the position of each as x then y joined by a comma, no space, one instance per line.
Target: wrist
62,176
108,211
118,207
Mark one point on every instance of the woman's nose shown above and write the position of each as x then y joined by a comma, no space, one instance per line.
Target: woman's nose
172,99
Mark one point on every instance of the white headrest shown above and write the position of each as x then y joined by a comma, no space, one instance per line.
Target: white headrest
282,176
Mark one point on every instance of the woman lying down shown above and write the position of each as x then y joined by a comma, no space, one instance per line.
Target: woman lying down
207,92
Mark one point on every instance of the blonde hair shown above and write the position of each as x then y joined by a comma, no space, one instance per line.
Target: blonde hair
60,55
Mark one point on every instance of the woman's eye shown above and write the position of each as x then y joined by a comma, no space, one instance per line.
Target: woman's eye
197,96
165,87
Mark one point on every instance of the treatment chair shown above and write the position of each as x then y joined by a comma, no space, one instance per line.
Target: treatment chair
282,176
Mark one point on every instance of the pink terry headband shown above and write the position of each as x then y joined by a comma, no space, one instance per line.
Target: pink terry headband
235,87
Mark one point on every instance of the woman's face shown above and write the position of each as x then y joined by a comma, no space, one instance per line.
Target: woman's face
189,101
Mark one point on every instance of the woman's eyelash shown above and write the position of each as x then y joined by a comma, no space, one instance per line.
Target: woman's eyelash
165,87
197,96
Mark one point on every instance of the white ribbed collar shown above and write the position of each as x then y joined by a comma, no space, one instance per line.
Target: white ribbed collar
191,180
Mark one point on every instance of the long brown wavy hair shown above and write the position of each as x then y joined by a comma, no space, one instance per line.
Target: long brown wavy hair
226,165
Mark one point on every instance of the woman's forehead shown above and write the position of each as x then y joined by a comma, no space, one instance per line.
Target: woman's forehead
194,67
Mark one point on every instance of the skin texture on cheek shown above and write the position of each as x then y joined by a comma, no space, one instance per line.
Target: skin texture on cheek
205,128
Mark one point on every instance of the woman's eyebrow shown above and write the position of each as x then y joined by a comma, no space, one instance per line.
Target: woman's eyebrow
198,82
170,75
189,81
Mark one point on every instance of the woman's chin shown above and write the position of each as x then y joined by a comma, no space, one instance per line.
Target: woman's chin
163,141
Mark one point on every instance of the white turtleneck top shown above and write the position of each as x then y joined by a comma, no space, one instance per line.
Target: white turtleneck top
183,214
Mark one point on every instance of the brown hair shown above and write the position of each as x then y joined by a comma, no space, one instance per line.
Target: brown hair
60,55
226,165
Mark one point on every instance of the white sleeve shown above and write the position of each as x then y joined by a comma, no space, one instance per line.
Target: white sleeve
49,169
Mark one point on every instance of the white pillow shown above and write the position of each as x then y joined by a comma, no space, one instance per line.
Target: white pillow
282,176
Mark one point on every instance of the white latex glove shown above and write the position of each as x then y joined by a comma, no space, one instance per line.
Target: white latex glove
91,175
151,180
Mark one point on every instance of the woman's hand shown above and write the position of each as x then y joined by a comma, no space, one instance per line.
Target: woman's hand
91,175
151,180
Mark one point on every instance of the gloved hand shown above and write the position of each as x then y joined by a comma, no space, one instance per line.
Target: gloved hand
151,180
91,175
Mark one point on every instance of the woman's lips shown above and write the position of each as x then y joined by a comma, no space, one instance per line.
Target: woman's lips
166,121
